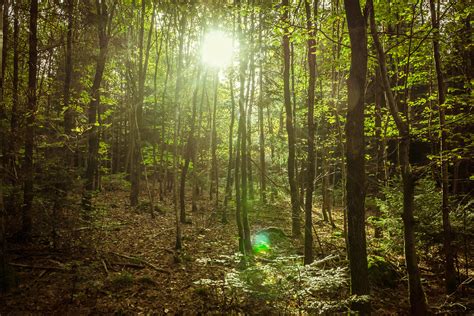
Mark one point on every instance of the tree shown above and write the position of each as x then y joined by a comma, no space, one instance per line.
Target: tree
418,304
354,129
450,273
295,207
311,42
68,112
28,169
103,28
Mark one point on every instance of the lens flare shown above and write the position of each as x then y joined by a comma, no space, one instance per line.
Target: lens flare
261,244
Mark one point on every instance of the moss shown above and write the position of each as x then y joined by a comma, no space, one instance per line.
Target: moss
122,280
146,280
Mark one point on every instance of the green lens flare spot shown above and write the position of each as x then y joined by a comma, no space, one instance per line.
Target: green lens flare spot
261,244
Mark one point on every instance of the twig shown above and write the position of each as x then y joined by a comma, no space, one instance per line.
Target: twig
317,238
105,267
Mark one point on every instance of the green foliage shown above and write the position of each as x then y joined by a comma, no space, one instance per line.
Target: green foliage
284,284
115,182
121,280
427,215
382,273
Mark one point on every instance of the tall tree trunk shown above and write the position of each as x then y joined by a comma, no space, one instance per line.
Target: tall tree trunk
230,163
243,145
137,115
11,156
354,129
308,230
449,272
93,137
189,151
295,208
238,195
263,184
379,145
418,305
214,167
3,64
28,167
177,104
68,112
3,215
249,102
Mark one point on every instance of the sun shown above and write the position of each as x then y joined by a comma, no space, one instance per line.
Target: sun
217,49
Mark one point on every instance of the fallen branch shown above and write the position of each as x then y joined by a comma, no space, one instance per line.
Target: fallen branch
142,261
324,260
128,264
20,265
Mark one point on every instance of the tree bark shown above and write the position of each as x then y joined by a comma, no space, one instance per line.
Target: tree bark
28,167
418,305
295,208
189,151
355,152
311,42
214,167
243,145
93,135
449,271
177,104
3,215
137,115
68,112
230,163
12,146
263,184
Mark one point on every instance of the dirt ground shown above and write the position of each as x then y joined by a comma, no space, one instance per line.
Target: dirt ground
123,262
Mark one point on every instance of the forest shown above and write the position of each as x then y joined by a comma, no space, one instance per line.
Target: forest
241,157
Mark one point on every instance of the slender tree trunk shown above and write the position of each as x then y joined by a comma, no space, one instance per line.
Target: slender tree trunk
3,110
214,167
263,184
243,145
158,48
295,214
11,155
195,158
230,163
238,195
137,115
450,273
3,215
308,230
28,167
177,101
418,305
93,137
163,169
354,129
189,151
379,146
68,112
249,102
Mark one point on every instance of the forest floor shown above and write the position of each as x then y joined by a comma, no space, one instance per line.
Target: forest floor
123,262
